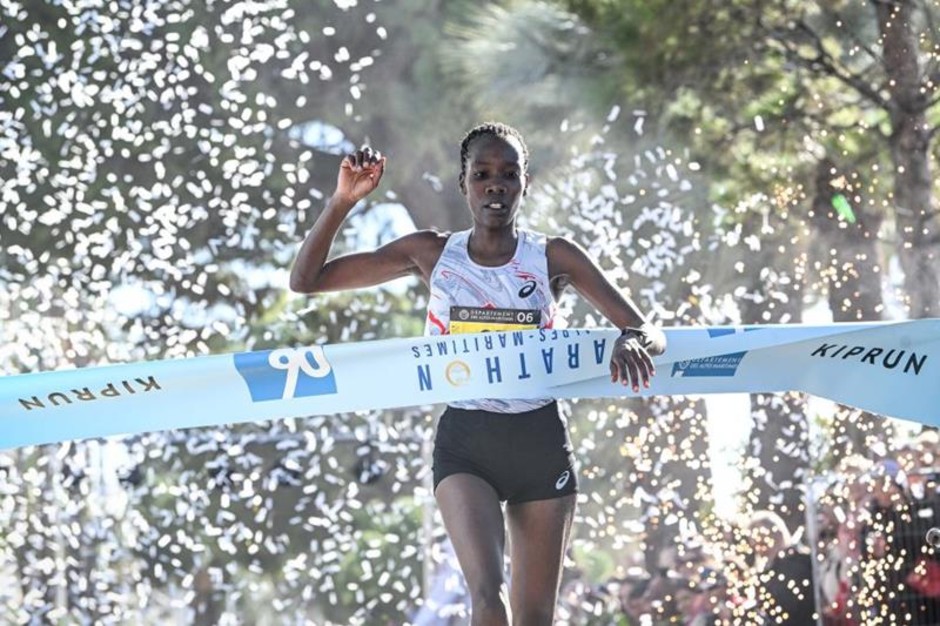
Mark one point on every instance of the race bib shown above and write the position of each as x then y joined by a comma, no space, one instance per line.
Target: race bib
469,319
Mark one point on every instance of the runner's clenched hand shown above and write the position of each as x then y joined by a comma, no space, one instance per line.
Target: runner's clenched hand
359,174
630,362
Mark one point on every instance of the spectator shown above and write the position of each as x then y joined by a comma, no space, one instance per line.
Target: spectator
904,569
692,603
633,600
785,593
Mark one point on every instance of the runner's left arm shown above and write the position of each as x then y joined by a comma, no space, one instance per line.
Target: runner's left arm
570,264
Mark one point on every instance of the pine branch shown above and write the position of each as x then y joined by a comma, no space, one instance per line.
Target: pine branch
873,54
825,61
931,22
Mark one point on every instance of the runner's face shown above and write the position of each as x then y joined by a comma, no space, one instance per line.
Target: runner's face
495,180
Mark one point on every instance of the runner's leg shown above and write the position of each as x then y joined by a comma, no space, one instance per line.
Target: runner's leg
474,522
538,537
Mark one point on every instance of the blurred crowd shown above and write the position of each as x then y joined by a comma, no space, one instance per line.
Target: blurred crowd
876,561
865,558
754,572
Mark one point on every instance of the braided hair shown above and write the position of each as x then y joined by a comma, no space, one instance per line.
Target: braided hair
496,129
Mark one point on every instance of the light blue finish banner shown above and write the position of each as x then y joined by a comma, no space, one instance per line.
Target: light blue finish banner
890,368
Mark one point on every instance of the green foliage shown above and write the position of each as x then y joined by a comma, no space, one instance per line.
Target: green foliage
156,148
597,565
387,542
812,72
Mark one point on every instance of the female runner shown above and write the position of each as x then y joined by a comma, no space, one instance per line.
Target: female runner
486,451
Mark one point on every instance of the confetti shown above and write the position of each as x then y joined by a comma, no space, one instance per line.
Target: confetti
160,161
843,208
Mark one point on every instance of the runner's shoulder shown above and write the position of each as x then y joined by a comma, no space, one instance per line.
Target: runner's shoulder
563,251
429,237
425,244
560,244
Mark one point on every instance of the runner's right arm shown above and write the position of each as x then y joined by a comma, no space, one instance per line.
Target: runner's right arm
358,176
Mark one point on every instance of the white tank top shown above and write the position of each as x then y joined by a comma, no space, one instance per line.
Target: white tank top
468,297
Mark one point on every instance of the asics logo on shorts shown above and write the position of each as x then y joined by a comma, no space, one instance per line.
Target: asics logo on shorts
562,480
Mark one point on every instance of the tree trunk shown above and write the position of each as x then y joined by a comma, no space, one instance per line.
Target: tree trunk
207,606
848,262
851,270
678,479
918,222
778,448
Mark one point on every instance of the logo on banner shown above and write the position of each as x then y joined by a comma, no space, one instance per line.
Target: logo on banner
886,358
286,373
713,366
724,332
457,373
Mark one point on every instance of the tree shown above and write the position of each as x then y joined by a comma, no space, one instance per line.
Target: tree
899,84
152,147
770,90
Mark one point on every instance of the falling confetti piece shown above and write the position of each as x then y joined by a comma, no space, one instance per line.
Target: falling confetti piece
841,204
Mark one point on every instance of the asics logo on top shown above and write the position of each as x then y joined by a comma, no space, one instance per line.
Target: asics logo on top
562,480
527,288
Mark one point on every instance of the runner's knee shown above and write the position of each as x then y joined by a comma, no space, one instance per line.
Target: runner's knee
486,604
536,615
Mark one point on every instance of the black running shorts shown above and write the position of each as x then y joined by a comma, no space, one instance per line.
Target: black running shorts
523,456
